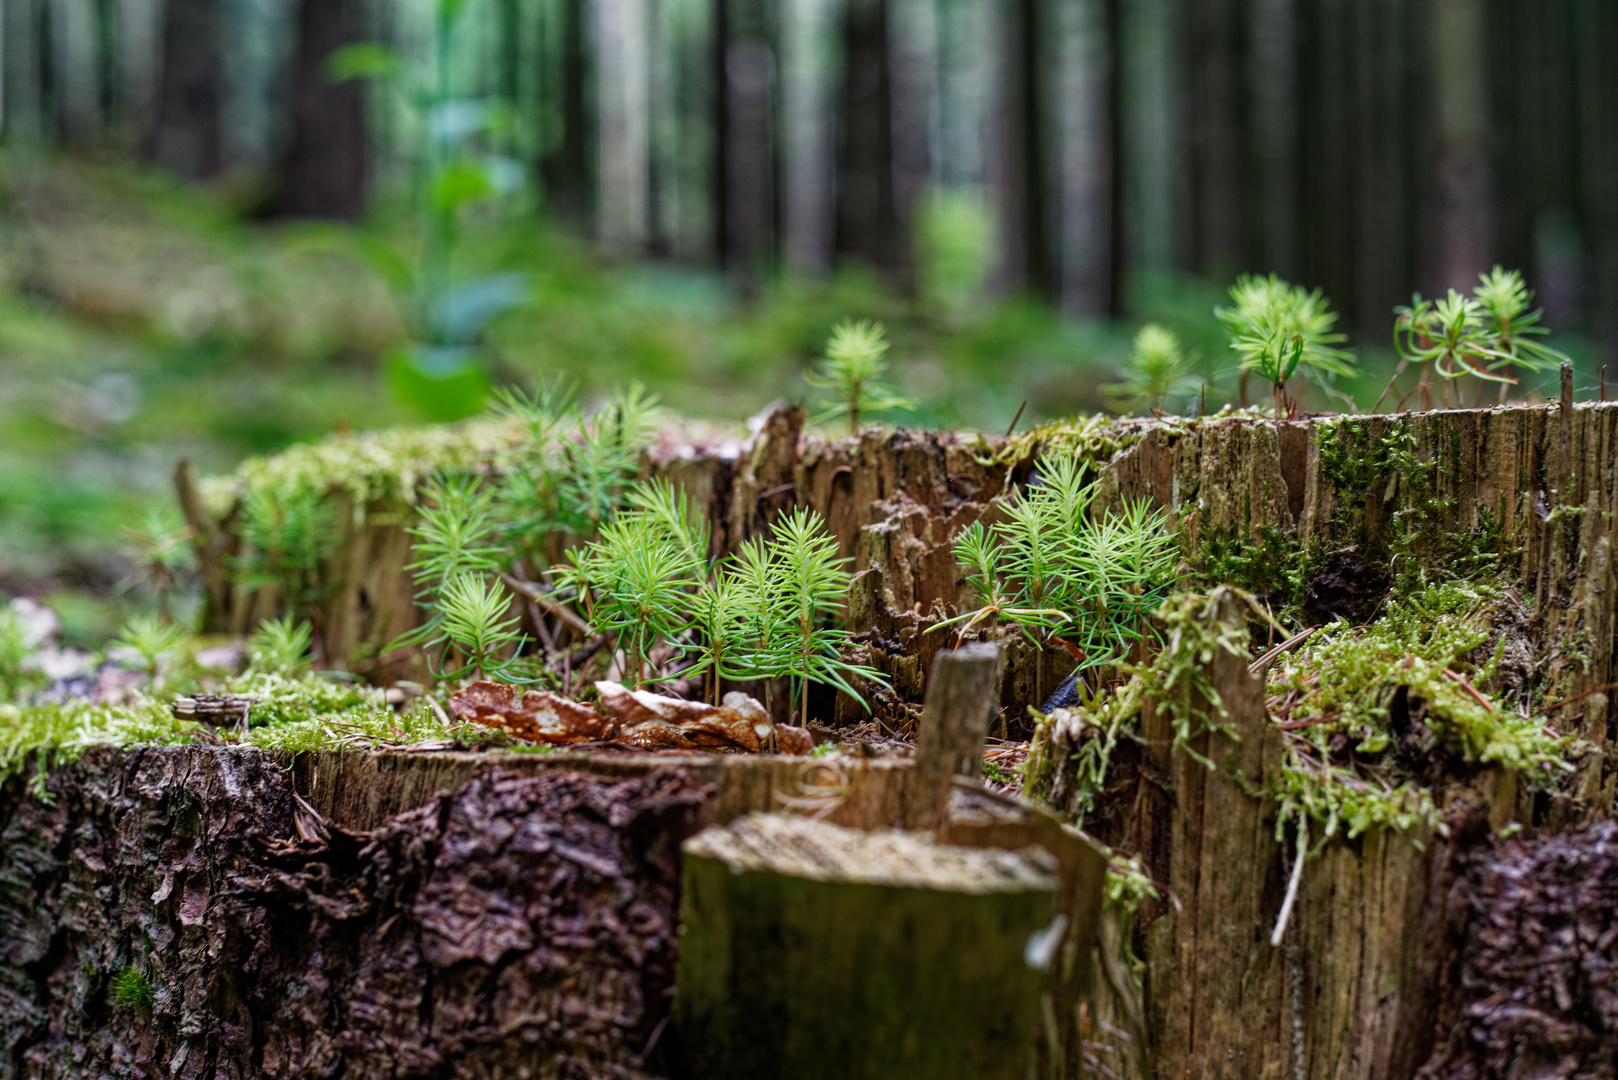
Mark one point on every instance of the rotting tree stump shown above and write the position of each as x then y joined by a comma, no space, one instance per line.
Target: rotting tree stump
1351,502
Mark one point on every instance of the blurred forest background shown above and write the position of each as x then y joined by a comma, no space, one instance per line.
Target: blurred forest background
226,225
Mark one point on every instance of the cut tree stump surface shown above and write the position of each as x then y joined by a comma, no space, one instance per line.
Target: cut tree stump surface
813,951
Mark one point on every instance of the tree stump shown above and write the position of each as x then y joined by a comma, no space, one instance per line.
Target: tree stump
809,950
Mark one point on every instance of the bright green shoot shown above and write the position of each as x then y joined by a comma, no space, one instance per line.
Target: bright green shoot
852,369
160,547
1154,373
1058,573
1278,330
154,640
280,646
477,623
1486,335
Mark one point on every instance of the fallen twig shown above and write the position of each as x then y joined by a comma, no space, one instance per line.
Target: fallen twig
1456,676
1259,666
1604,687
531,591
1292,886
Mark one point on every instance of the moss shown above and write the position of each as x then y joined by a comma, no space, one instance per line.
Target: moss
130,990
1094,440
1379,714
376,467
1271,565
52,735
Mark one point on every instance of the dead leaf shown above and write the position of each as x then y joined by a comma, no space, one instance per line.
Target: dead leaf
531,715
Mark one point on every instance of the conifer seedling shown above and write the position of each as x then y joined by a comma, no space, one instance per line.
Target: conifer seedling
1153,374
852,369
1279,330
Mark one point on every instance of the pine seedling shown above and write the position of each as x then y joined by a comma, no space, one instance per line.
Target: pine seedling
1052,571
810,583
288,534
601,462
528,496
1446,338
153,639
637,580
1153,374
1278,330
852,369
476,621
281,646
160,548
719,614
1512,329
456,534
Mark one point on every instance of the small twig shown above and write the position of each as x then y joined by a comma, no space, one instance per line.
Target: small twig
1024,405
1603,688
1292,886
443,717
1259,666
533,592
1469,688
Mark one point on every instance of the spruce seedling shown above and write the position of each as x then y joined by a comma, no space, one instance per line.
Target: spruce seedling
853,365
160,548
153,639
280,646
1513,329
1153,373
476,620
288,533
1279,330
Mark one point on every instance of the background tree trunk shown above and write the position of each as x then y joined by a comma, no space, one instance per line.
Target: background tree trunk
866,224
810,63
187,133
324,168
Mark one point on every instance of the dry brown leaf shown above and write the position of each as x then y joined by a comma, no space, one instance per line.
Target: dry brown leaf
531,715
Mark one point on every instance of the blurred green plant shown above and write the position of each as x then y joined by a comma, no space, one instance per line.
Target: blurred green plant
954,242
853,365
443,372
287,530
280,646
160,549
1153,374
154,640
1277,330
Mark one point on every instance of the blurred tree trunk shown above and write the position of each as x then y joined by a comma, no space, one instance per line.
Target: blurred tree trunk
187,133
22,74
809,64
75,36
745,154
1597,37
138,41
1212,55
1082,85
1018,161
323,170
913,63
622,146
1149,142
1462,224
866,226
565,166
1272,49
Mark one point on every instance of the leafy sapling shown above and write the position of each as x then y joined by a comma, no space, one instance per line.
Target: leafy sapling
852,369
1513,329
288,532
160,548
1154,374
477,625
1279,330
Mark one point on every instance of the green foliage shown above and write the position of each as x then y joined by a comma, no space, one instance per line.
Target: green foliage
1277,329
154,639
287,531
280,645
852,369
1054,570
1195,630
1154,373
54,734
160,548
130,990
14,651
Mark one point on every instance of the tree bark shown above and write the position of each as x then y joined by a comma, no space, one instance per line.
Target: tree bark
866,216
565,167
622,146
810,62
324,168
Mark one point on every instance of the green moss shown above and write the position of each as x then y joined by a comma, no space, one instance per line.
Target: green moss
130,990
1095,440
1271,566
53,735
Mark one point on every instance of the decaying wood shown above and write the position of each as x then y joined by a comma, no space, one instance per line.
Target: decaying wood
960,700
810,950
